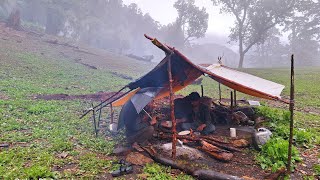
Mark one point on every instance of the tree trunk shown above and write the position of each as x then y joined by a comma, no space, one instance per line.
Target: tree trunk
240,47
241,60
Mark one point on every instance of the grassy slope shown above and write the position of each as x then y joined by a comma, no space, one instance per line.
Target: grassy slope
39,131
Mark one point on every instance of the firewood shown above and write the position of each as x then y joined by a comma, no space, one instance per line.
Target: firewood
190,138
197,173
209,146
215,152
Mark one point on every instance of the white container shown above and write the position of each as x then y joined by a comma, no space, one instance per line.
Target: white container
113,127
233,132
262,136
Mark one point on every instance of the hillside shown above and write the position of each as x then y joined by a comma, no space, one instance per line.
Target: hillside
46,139
52,47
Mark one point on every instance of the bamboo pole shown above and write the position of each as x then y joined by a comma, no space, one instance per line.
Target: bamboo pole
291,115
173,119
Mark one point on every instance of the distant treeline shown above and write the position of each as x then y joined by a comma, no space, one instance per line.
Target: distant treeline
106,24
259,28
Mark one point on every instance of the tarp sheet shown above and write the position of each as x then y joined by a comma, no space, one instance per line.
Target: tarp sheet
245,83
184,72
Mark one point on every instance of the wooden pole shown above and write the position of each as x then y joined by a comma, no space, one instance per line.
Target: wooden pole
173,119
291,115
231,99
219,92
99,118
235,97
111,114
94,121
202,93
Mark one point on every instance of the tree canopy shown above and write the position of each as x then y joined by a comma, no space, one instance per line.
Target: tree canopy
254,19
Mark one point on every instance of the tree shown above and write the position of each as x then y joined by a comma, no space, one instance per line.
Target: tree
254,18
305,32
192,20
271,52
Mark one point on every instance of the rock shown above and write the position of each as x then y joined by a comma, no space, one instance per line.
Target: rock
137,158
240,143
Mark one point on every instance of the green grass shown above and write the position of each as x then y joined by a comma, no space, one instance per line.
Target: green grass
157,172
38,131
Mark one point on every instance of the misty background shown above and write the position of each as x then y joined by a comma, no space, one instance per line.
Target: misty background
246,33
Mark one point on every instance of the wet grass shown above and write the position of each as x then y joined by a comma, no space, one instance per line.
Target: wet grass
39,131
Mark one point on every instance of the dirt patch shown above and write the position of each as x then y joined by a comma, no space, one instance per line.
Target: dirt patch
4,97
310,157
100,96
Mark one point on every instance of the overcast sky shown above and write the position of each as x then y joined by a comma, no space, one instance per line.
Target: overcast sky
164,12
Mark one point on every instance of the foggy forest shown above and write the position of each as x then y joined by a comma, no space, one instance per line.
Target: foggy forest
160,89
265,33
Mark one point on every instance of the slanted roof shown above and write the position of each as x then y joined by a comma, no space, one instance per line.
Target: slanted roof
184,72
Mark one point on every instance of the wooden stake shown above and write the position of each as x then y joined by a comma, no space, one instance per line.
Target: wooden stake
291,115
173,119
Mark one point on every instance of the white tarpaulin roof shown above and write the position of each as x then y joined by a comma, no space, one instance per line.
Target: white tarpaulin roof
244,82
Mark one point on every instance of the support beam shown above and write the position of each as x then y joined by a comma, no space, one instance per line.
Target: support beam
202,93
235,98
173,119
94,121
219,92
291,108
111,114
231,99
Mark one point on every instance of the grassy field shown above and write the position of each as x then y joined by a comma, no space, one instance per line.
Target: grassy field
47,138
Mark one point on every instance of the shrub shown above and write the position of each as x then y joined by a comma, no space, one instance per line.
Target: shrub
274,154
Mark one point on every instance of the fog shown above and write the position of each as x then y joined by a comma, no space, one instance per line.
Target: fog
247,33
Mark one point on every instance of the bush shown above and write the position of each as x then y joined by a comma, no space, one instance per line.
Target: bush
274,154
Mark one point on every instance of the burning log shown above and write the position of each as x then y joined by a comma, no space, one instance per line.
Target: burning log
216,152
197,173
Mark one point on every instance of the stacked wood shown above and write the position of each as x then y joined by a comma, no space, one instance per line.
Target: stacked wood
215,152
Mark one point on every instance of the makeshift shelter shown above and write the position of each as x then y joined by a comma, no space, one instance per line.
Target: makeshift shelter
176,71
184,72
